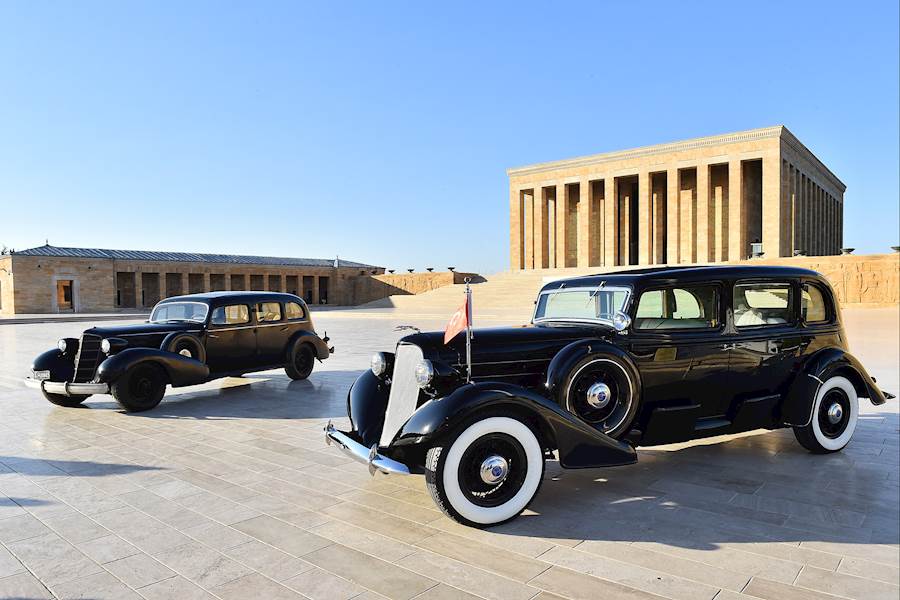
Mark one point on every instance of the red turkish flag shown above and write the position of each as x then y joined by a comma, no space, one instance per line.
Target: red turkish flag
458,322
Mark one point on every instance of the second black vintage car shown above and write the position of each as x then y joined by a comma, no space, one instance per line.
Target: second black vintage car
609,362
188,340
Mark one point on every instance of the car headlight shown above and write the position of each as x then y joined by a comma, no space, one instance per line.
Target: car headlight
621,321
378,363
62,345
424,373
105,346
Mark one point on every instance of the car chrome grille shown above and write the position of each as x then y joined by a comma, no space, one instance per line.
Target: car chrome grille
404,394
88,358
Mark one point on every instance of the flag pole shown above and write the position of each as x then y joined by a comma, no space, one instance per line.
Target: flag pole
468,331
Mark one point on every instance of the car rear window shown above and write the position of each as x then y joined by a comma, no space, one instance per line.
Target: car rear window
294,311
812,305
762,304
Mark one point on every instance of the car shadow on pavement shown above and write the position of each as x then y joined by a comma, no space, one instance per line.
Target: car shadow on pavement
762,488
36,467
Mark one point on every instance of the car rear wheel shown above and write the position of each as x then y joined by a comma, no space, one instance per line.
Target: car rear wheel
141,387
834,416
487,473
67,401
300,361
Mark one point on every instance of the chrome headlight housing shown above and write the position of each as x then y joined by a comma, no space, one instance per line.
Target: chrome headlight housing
424,373
105,346
378,364
62,345
621,321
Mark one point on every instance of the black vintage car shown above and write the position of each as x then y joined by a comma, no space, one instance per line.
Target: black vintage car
188,340
609,362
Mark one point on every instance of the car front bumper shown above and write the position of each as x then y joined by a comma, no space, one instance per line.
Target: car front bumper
66,388
360,453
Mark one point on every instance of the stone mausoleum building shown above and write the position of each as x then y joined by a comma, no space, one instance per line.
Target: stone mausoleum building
49,279
700,200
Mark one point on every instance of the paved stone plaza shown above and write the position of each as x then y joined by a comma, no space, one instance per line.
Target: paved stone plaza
226,490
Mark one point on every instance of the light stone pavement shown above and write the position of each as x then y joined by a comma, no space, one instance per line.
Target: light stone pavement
226,490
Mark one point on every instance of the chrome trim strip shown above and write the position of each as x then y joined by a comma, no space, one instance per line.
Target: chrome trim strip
66,388
267,324
158,332
360,453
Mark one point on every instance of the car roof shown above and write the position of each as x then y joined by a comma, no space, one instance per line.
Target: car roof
689,273
220,298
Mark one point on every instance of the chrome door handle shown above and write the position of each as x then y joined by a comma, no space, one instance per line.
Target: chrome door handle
212,335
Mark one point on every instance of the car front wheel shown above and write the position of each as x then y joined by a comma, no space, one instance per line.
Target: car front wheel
834,415
140,388
487,473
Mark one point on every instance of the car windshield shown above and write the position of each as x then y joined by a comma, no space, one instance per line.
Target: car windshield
194,312
581,304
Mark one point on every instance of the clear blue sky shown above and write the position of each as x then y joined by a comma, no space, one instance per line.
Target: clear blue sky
381,131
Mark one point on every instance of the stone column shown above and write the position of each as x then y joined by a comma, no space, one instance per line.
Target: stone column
771,206
786,229
516,253
528,215
719,191
658,209
562,206
206,284
550,194
624,224
540,229
687,209
705,225
817,220
737,226
584,223
645,220
795,212
138,290
841,222
610,222
315,295
673,220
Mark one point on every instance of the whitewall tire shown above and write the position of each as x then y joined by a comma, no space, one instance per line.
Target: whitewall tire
834,415
488,473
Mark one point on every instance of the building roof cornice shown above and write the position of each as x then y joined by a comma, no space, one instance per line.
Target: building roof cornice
777,131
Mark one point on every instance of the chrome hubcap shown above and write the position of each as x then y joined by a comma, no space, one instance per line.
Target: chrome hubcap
494,469
599,395
835,413
185,352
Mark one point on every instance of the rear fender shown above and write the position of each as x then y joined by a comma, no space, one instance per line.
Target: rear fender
309,337
60,364
797,407
579,444
180,369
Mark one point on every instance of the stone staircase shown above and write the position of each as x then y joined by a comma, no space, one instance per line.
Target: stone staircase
507,296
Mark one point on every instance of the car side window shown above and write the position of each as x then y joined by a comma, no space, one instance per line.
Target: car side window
690,307
812,305
267,312
762,304
293,311
236,314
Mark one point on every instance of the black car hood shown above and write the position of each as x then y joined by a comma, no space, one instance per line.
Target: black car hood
506,343
143,329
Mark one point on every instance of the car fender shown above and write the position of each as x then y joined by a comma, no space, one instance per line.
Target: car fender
366,406
180,369
579,444
565,360
60,364
309,337
798,404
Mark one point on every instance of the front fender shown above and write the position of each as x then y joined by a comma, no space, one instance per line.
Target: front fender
579,444
181,369
322,350
797,407
561,365
61,365
366,406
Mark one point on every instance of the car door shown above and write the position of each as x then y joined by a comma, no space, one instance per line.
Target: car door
766,339
271,333
677,343
231,339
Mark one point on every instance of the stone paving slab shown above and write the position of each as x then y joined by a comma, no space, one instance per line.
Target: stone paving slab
227,491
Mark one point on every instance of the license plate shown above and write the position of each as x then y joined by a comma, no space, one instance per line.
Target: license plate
41,375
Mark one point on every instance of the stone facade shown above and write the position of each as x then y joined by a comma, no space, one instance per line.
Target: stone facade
34,283
368,289
701,200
